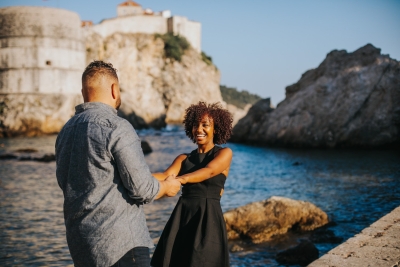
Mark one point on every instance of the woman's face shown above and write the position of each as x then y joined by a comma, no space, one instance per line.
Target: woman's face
203,130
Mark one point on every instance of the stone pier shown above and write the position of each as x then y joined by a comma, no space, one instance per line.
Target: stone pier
377,245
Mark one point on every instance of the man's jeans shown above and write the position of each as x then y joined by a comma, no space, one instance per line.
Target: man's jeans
136,257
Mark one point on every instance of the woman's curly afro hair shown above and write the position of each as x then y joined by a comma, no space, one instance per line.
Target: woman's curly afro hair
221,118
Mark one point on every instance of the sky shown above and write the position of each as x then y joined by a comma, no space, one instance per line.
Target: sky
262,46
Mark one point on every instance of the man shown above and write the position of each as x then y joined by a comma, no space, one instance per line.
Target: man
105,179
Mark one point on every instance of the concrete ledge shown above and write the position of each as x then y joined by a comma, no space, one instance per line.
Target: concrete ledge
377,245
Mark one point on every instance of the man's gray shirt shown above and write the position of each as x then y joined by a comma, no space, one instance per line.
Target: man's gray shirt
105,180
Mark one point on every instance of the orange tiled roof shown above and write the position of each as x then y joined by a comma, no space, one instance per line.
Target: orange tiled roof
129,3
86,23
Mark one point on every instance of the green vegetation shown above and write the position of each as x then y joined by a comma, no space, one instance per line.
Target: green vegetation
3,107
174,45
207,59
239,99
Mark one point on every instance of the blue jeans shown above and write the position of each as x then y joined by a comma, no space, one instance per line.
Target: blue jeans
136,257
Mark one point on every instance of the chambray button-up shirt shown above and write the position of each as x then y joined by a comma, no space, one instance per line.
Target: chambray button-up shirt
105,180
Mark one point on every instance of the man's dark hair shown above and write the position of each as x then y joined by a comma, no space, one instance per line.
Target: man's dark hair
221,117
99,67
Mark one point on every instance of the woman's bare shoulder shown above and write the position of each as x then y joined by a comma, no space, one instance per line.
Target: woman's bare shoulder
225,150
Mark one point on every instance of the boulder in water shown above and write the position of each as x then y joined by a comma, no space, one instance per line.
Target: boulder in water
146,147
261,221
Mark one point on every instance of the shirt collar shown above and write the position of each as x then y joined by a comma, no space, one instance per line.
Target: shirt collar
90,105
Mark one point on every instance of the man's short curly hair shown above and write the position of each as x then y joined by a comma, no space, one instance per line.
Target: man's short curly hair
99,67
221,117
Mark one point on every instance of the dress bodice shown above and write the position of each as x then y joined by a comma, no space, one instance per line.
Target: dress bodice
210,188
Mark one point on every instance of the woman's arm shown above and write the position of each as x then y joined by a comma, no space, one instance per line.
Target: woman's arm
219,164
171,170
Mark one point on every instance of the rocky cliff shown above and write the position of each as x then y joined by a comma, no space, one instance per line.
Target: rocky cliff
349,100
30,114
155,89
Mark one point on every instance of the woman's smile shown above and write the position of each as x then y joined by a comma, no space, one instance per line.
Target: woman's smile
200,137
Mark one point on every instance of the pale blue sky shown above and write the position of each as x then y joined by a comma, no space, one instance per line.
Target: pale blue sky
261,45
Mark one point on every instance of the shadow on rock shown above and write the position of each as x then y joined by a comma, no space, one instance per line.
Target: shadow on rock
323,235
139,122
302,254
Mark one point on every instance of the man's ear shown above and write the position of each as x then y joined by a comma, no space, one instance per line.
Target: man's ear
114,91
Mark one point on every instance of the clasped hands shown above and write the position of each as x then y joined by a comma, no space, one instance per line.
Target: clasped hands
174,184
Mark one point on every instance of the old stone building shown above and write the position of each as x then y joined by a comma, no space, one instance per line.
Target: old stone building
132,18
42,59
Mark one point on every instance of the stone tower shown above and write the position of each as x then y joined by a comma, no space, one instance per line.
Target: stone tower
42,50
42,59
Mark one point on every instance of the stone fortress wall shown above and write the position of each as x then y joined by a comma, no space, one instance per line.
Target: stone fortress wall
42,50
132,18
42,57
191,30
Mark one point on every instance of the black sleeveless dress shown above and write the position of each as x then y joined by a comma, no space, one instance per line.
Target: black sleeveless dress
195,234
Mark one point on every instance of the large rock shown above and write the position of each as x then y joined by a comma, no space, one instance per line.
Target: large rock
30,114
155,89
237,113
250,123
350,100
261,221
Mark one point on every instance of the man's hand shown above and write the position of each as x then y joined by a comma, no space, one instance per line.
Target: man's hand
173,187
169,187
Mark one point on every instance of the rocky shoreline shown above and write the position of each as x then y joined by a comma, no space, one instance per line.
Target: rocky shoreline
32,154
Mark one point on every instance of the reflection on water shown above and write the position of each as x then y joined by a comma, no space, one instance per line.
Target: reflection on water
355,188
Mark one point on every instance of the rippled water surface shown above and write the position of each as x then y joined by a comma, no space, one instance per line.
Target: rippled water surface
354,187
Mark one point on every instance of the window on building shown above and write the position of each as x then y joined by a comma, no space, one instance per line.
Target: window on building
48,62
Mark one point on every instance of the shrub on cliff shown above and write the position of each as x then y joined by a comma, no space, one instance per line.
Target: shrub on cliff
239,99
174,45
206,58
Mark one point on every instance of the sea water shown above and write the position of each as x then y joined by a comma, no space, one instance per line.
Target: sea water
354,187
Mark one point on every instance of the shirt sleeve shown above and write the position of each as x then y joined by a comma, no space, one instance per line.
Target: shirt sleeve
135,173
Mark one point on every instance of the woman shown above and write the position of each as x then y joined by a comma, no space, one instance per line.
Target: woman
195,234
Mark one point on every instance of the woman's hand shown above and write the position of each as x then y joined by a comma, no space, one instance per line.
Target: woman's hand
182,180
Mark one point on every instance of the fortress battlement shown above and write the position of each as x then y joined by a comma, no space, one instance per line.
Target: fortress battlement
132,18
